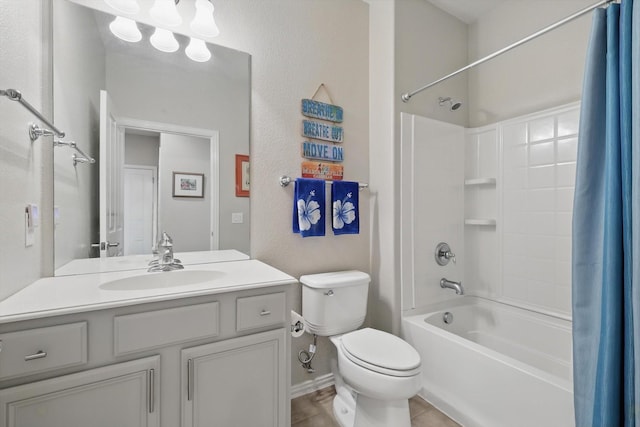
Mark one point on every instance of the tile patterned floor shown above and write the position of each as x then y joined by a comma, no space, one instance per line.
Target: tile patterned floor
314,410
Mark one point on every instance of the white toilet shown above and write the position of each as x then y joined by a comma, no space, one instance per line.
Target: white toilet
376,372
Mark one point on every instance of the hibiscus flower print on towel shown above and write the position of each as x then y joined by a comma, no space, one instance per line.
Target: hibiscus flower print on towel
344,212
344,199
308,212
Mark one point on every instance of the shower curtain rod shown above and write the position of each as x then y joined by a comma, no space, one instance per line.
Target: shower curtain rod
407,96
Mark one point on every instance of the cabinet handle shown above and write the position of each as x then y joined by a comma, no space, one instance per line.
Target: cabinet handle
265,313
152,389
39,355
190,379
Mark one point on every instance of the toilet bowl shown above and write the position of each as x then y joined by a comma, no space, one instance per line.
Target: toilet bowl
376,372
382,372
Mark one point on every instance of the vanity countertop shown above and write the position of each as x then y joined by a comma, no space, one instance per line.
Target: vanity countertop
52,296
136,262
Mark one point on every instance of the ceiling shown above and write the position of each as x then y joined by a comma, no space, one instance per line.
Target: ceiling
466,10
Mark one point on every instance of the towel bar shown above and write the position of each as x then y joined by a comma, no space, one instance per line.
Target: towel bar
15,95
285,180
81,158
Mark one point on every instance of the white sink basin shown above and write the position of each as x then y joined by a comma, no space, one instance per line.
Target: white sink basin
168,279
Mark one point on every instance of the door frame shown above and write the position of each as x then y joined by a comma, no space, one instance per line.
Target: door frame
154,211
213,137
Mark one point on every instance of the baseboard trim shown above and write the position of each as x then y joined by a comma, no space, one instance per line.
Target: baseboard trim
310,386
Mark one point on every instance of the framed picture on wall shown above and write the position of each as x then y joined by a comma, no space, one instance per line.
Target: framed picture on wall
186,184
242,175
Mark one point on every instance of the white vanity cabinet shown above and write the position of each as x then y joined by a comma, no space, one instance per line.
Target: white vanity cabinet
221,359
117,395
237,382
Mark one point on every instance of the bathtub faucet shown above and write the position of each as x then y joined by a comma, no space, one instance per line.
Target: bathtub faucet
456,286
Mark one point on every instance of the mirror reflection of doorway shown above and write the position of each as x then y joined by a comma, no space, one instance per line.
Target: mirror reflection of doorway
150,157
140,209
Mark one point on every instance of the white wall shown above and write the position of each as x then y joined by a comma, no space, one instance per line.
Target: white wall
429,44
141,149
26,175
543,73
76,111
183,218
384,296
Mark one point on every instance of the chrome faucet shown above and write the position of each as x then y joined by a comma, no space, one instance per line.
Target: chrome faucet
165,260
450,284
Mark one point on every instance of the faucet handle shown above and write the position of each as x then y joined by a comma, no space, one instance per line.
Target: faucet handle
165,240
444,254
450,255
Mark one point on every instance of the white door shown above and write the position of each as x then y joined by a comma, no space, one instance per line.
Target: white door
237,382
111,165
125,394
139,209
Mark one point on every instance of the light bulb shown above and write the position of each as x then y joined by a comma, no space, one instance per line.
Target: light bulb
203,23
197,50
166,13
164,40
129,7
125,29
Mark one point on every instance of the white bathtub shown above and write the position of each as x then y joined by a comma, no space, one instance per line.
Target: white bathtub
494,365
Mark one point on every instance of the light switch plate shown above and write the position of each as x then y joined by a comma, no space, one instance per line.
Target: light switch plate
237,218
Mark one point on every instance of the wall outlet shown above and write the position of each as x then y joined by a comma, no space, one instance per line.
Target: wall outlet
237,218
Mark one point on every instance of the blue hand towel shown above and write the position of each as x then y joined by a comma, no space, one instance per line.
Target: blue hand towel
346,216
309,207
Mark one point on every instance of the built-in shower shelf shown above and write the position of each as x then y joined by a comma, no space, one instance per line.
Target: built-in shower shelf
480,181
480,221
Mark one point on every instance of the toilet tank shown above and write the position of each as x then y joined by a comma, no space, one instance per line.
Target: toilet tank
334,303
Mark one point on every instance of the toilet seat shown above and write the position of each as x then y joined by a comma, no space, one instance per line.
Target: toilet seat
381,352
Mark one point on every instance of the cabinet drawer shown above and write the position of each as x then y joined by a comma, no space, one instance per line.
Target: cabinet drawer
260,311
142,331
43,349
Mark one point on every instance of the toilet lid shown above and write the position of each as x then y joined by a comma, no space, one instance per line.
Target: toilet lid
381,352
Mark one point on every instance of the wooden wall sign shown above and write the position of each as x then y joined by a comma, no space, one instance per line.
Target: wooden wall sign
321,151
322,111
321,170
318,130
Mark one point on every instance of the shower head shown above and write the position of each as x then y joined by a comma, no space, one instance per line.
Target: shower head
453,104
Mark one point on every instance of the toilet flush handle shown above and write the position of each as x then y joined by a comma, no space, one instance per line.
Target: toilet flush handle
329,293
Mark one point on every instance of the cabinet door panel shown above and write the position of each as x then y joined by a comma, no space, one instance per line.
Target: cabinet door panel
238,382
117,395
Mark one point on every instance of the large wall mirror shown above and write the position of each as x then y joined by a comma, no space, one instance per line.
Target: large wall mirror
165,132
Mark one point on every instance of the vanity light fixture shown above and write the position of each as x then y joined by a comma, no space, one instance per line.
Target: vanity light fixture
203,23
130,7
164,40
166,13
197,50
125,29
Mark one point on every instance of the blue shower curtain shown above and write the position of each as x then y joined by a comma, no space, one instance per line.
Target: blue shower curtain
605,288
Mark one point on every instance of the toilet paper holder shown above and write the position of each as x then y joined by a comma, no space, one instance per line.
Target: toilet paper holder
297,324
297,327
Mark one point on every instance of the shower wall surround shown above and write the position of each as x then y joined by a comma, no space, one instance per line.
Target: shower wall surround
514,198
526,258
538,174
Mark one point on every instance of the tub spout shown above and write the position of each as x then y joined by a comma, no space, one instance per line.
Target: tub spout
450,284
